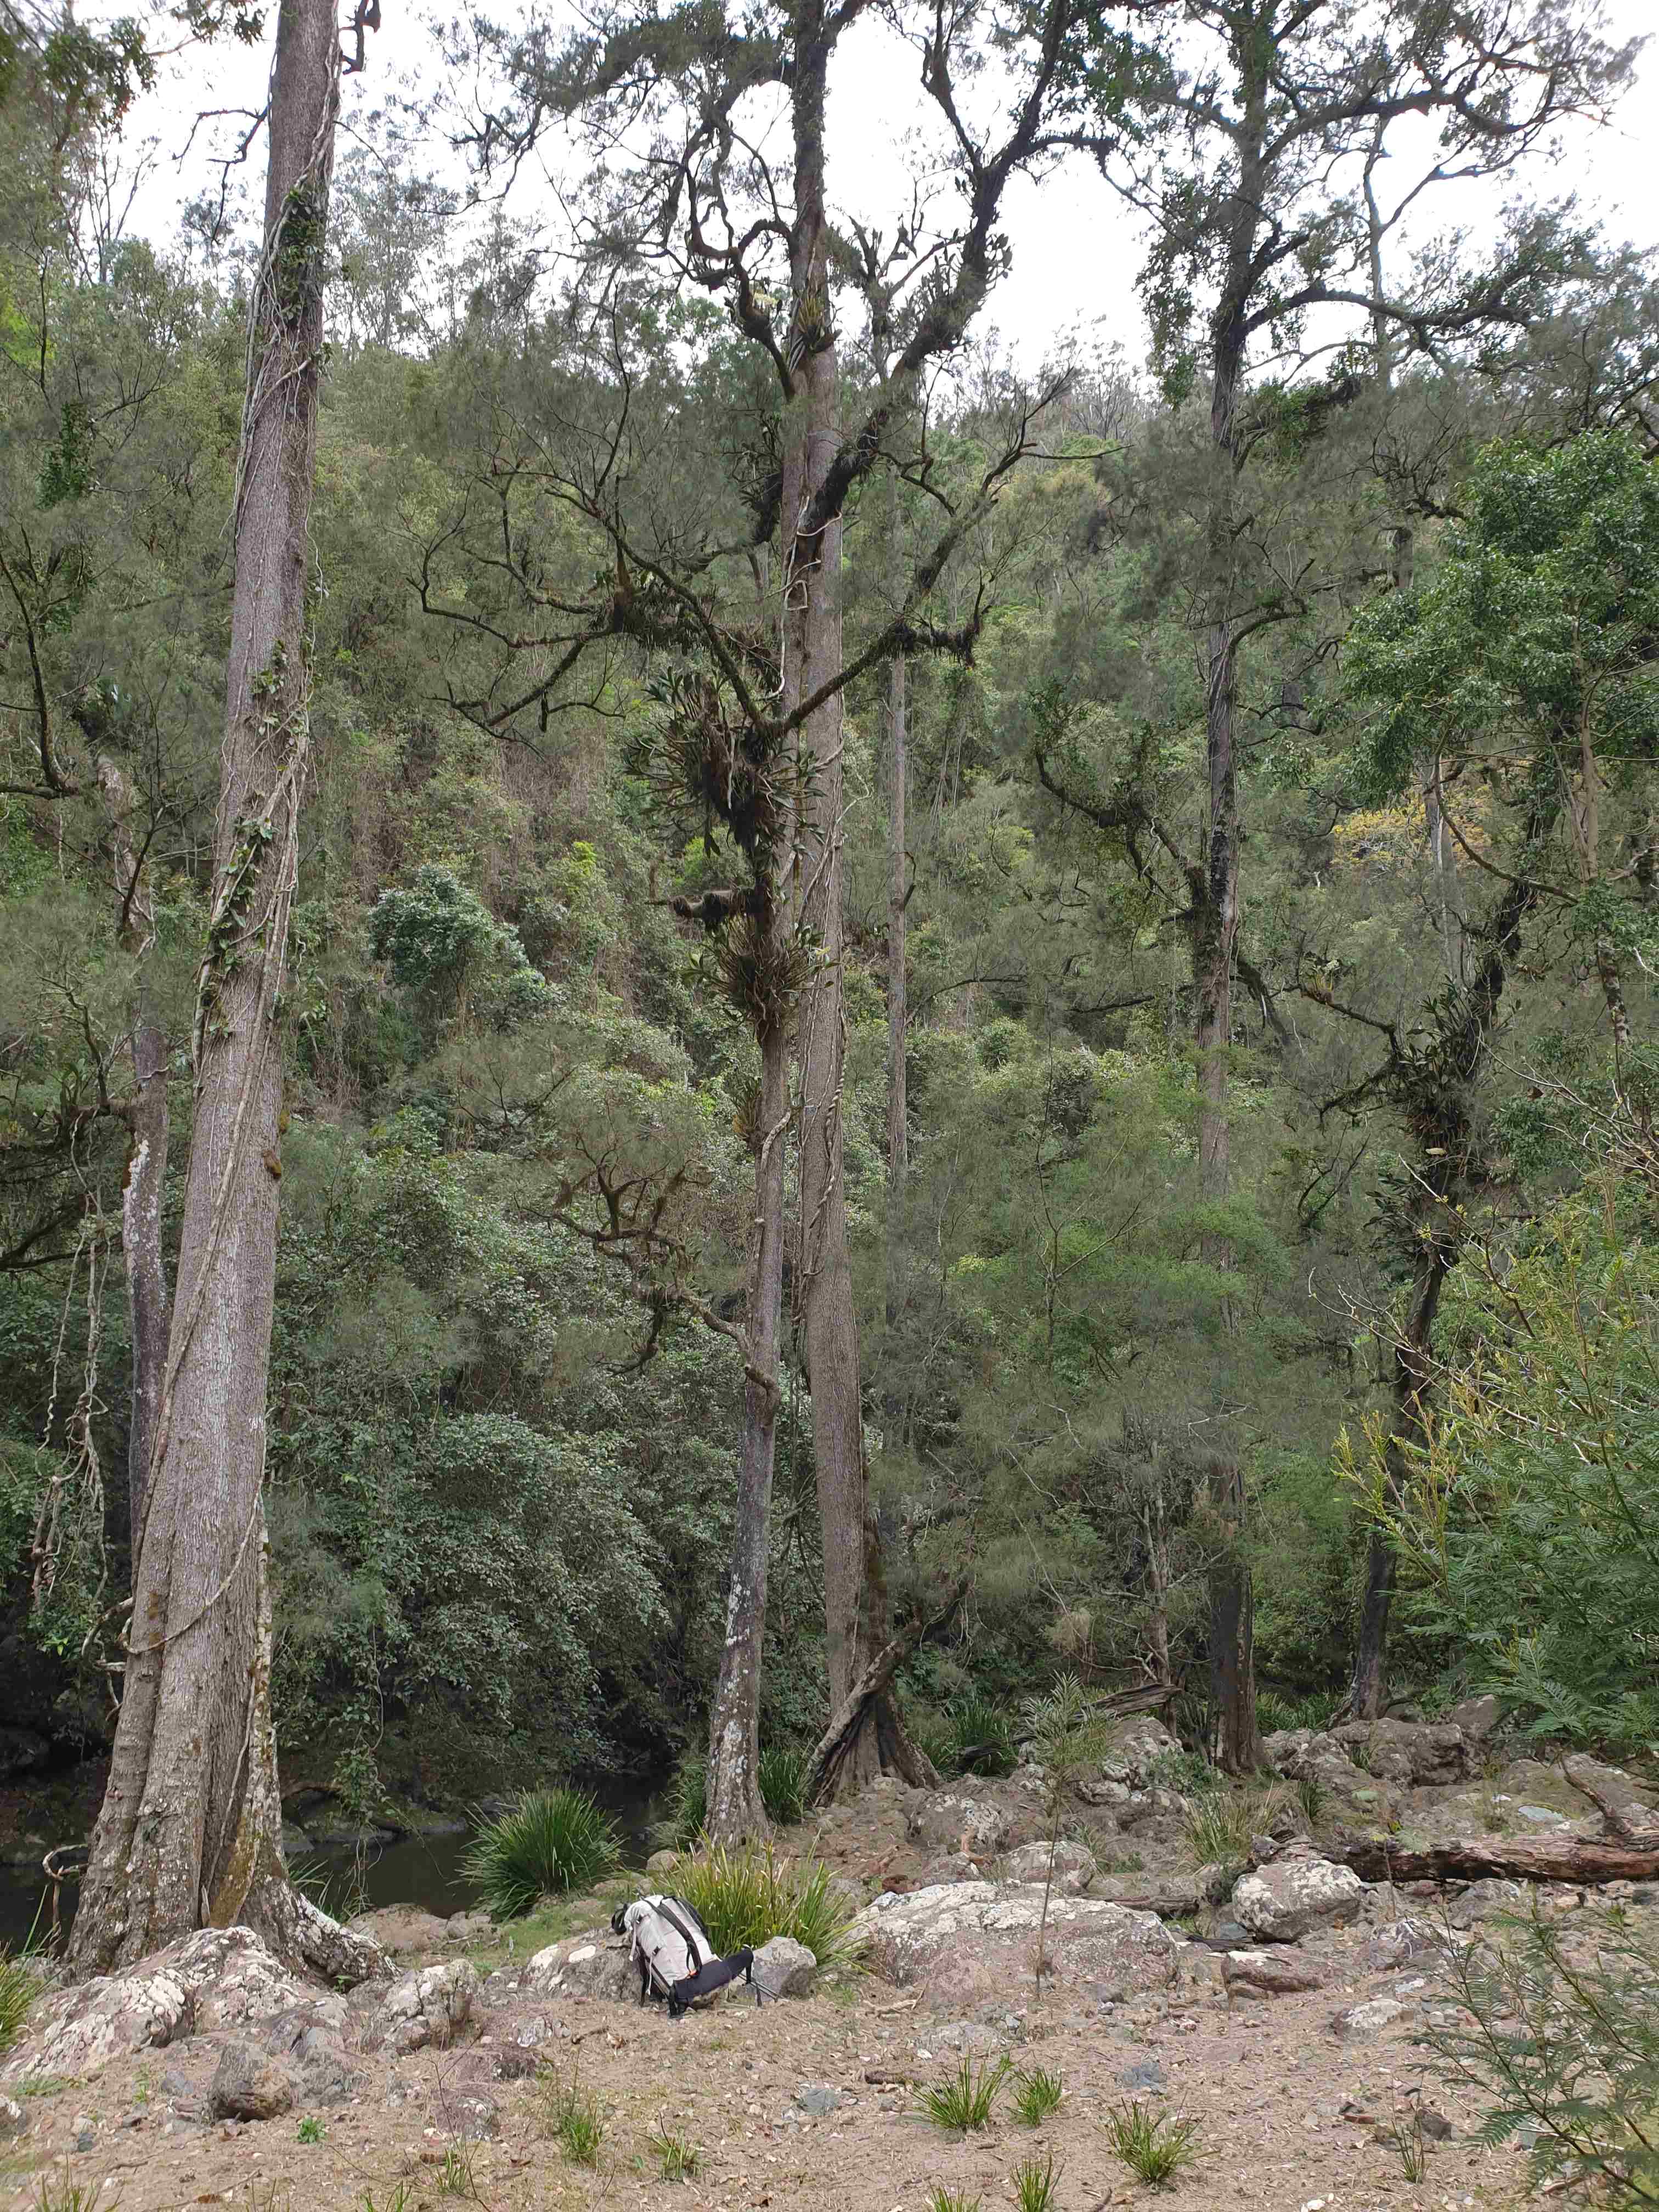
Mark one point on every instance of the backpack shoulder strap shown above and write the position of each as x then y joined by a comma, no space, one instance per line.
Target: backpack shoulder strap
677,1915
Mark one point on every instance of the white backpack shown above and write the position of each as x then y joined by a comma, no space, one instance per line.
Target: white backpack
675,1955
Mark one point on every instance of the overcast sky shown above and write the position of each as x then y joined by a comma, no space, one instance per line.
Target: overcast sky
1075,249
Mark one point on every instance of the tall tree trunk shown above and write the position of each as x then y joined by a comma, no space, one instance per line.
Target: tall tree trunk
189,1830
147,1155
898,1137
1214,934
823,1276
734,1809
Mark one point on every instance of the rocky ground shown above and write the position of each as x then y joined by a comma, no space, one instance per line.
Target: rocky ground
1290,2011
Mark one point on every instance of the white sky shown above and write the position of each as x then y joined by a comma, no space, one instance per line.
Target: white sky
1075,248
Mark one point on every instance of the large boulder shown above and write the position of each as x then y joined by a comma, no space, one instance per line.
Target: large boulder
1412,1754
943,1820
965,1943
424,2011
1294,1893
217,1978
1073,1869
593,1964
1269,1974
403,1928
1140,1744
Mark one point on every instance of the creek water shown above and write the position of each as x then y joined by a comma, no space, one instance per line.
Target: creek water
421,1871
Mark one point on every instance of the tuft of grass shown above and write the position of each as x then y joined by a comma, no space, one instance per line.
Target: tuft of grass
1311,1796
953,2200
550,1842
398,2201
1035,2184
64,2195
1406,2133
1037,2095
1154,2145
1218,1830
311,2129
677,2156
19,1988
748,1896
964,2100
576,2119
1315,1710
983,1734
455,2177
783,1785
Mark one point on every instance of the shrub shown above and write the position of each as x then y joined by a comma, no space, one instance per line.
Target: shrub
1154,2145
1565,2039
1038,2094
18,1990
965,2099
748,1896
782,1780
551,1841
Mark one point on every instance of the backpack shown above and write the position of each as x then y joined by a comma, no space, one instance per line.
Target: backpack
676,1958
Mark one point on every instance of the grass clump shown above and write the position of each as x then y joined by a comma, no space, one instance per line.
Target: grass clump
576,2119
982,1735
677,2156
64,2195
953,2200
1037,2095
782,1779
18,1987
1219,1831
748,1896
1154,2145
964,2100
1315,1710
550,1842
1035,2184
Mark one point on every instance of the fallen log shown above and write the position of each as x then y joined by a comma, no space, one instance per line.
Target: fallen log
1631,1858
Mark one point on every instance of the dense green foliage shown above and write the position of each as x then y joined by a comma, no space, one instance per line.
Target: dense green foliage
744,1897
501,1456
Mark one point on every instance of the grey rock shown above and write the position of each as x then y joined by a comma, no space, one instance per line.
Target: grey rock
1230,1936
1270,1973
971,2036
1296,1892
592,1965
469,1928
13,2119
817,2100
428,2010
974,1825
295,1842
784,1968
1110,1795
250,2084
1359,2023
1074,1866
403,1928
1413,1754
1401,1943
1145,2077
967,1943
1478,1717
1139,1745
1483,1900
662,1861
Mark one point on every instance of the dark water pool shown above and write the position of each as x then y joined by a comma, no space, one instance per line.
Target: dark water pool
423,1870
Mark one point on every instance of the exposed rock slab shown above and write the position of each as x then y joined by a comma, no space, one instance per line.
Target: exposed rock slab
967,1942
1269,1974
1073,1869
593,1964
250,2084
1414,1754
428,2010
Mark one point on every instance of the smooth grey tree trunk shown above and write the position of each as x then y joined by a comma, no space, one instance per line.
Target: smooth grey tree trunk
190,1831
